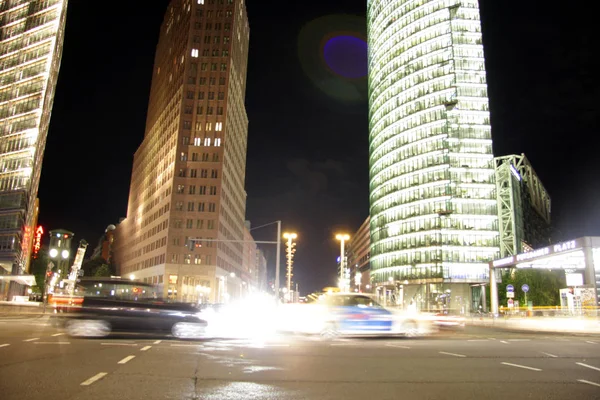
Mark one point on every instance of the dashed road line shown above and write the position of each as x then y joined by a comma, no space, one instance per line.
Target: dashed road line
158,342
521,366
588,366
145,348
5,344
505,342
549,355
397,345
126,360
452,354
32,339
590,342
588,382
58,334
94,379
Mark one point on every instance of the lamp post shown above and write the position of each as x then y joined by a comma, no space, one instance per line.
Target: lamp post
342,238
289,252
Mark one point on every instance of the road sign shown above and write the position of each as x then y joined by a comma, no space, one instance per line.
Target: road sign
511,302
510,288
510,295
525,288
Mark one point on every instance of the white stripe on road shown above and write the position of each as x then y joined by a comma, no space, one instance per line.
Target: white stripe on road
94,379
158,341
588,366
32,339
521,366
588,382
452,354
145,348
549,355
590,342
52,343
502,341
58,334
397,345
118,344
126,360
5,344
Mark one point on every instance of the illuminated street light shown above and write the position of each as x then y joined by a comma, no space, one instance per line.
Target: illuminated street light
53,253
290,258
342,238
65,254
132,277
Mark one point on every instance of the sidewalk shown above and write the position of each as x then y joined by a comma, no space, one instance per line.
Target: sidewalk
540,324
10,309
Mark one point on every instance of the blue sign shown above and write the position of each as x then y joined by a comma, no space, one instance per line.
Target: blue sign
338,259
525,288
510,288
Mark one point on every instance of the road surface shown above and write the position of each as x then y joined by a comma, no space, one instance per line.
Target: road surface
38,361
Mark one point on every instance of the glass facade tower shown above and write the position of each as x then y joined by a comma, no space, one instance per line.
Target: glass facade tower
31,38
432,190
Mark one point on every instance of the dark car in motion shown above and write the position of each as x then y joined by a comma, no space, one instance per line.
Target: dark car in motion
106,305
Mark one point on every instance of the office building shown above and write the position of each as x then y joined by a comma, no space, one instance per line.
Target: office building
434,223
31,41
359,257
185,215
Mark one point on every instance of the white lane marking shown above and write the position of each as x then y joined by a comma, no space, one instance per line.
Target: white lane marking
588,366
548,354
588,382
58,334
5,344
52,343
94,378
590,342
397,345
158,341
452,354
519,340
126,360
521,366
502,341
118,344
145,348
32,339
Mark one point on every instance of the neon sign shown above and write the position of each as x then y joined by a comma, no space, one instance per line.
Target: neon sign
37,243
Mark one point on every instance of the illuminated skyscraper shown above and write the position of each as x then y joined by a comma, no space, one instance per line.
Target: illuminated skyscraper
188,174
432,191
31,38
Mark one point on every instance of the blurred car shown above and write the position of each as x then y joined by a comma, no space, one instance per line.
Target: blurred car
447,321
106,305
349,314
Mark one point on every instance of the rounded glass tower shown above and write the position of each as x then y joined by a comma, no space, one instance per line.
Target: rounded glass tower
432,191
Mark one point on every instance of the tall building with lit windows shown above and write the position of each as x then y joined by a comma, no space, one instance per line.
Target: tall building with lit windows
31,40
185,215
434,223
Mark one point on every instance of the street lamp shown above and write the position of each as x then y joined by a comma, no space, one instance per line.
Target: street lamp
290,258
342,238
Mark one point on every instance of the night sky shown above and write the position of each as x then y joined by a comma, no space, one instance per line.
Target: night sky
308,136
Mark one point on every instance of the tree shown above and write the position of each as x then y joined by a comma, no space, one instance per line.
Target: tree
38,269
543,285
104,270
90,266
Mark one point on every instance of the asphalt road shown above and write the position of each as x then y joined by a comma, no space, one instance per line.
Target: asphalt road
38,361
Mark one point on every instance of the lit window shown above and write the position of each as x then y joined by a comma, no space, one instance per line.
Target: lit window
200,1
195,53
219,126
217,142
197,141
207,141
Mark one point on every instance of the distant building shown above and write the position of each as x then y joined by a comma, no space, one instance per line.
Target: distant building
31,41
359,255
523,206
261,270
184,229
248,271
105,244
